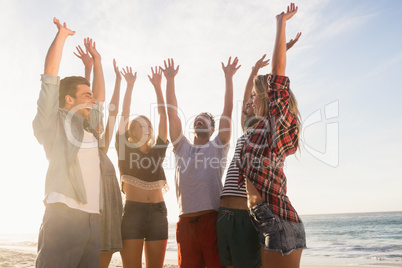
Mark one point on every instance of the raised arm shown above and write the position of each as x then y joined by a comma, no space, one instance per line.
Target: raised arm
53,57
250,82
125,113
279,54
156,81
225,122
291,42
98,83
175,128
98,87
249,88
86,60
284,140
113,109
48,101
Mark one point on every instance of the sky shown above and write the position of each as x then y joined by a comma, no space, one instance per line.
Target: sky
345,72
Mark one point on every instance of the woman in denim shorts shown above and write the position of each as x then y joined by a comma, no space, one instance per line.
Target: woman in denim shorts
262,157
143,181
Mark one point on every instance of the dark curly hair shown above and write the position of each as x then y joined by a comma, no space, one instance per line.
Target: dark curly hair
210,116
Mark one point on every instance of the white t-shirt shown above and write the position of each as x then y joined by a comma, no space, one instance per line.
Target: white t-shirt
198,175
88,158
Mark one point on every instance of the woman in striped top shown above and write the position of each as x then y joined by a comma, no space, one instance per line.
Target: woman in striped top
237,239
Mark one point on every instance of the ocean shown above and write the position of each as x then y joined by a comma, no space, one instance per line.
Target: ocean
354,239
345,239
333,239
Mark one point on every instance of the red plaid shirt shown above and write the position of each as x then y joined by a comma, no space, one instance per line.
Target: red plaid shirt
266,147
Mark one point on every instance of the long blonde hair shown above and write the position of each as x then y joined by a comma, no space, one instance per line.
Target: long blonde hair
261,90
131,126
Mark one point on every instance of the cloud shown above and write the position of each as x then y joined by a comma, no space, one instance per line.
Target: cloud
346,24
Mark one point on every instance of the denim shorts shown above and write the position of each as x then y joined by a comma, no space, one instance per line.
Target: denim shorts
146,221
277,234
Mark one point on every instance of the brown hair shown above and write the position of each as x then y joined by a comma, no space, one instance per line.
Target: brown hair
68,86
131,127
261,90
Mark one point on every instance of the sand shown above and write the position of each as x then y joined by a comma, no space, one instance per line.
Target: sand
18,257
24,257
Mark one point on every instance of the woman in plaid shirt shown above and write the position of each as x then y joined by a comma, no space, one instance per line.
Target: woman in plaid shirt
262,158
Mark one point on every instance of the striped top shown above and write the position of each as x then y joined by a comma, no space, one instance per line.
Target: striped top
232,176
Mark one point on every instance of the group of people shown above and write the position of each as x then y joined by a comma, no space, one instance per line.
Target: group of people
248,222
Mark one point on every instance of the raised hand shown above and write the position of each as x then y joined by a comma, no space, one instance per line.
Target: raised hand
261,63
53,56
91,47
290,12
231,68
279,53
129,76
63,27
85,57
293,41
116,70
156,78
170,71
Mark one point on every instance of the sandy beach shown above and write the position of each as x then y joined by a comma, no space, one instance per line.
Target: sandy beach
18,257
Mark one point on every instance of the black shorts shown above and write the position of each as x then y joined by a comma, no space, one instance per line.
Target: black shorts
146,221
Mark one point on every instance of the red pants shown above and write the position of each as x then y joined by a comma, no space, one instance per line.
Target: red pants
197,243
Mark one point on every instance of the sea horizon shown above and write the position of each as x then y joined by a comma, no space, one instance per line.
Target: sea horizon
301,215
343,213
342,239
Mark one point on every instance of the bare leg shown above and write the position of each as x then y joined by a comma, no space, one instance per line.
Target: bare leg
131,254
105,258
155,253
272,259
